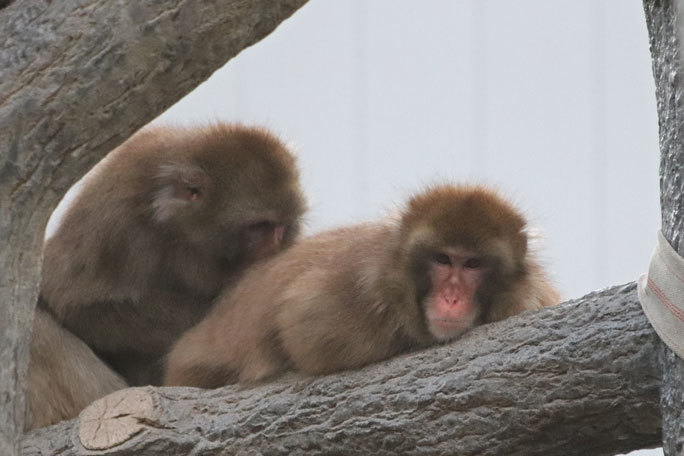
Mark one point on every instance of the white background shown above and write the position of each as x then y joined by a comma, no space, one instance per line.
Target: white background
551,101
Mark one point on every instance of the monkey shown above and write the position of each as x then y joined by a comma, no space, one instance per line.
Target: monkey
457,256
157,229
60,379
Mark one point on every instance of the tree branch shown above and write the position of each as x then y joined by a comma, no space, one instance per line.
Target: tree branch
77,78
576,379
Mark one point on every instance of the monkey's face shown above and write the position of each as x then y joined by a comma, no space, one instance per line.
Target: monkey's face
258,218
466,245
232,194
450,301
268,237
238,225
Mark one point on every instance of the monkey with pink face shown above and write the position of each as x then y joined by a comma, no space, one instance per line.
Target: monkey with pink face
458,256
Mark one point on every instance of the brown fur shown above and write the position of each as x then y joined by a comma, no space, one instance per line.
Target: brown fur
162,225
355,295
63,366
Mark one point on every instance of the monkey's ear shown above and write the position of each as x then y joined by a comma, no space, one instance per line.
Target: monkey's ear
180,186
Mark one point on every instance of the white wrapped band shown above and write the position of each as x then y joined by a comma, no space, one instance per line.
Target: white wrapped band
661,294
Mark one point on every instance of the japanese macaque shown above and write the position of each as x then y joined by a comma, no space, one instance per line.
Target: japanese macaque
456,257
158,228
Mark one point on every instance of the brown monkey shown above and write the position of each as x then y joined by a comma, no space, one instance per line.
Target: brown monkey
457,257
160,226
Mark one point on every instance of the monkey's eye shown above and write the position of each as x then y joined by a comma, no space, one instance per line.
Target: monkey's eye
441,258
473,263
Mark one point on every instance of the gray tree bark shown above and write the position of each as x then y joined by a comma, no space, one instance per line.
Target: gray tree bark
665,20
77,78
577,379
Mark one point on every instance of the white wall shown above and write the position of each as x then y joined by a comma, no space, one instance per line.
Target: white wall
553,102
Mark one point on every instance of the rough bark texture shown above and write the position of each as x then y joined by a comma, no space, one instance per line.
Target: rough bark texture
665,20
76,78
578,379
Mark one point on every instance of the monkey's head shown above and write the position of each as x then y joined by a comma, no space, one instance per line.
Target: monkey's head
463,245
229,191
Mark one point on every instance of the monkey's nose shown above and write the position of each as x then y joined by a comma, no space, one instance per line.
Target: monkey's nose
453,301
452,296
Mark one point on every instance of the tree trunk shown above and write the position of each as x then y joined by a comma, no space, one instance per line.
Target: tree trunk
77,78
577,379
665,20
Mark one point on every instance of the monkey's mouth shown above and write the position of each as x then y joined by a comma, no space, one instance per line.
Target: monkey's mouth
450,322
444,328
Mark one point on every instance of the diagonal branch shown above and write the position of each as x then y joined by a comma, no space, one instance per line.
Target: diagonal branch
576,379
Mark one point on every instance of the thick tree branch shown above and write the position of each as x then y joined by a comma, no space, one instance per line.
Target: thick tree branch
77,78
578,379
665,20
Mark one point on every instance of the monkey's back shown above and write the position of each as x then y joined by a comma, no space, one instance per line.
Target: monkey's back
298,309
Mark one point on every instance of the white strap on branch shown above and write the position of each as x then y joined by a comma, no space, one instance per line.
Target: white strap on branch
661,294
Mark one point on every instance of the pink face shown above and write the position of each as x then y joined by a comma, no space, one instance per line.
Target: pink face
455,276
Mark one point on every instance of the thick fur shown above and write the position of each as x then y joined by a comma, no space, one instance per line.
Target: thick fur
356,295
63,366
160,226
